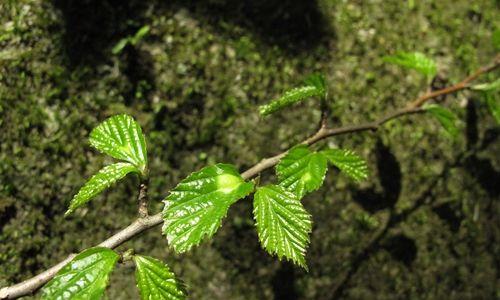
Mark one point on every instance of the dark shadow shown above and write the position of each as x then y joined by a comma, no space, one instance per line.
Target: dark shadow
401,248
449,215
293,25
389,174
93,27
485,173
471,130
283,282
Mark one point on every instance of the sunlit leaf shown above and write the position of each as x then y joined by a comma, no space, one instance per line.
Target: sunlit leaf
414,60
446,118
121,137
99,182
315,87
155,280
487,87
84,278
301,170
195,208
348,162
283,225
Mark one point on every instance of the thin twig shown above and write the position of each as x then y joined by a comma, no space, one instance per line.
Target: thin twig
31,285
143,199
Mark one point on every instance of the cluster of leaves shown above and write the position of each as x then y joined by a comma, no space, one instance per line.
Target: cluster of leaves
86,277
195,208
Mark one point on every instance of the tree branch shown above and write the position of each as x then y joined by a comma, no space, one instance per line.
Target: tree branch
31,285
143,199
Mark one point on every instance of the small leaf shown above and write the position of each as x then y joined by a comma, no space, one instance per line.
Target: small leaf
121,137
283,225
301,170
99,182
118,48
316,80
196,206
156,281
415,60
493,105
348,162
313,88
487,87
84,278
143,31
446,118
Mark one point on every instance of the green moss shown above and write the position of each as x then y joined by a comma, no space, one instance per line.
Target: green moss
194,84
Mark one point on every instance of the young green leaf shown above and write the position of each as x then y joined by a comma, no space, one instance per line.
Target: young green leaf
446,118
120,45
156,281
196,206
348,162
99,182
301,170
487,87
121,137
414,60
316,80
315,87
283,225
142,32
493,105
85,277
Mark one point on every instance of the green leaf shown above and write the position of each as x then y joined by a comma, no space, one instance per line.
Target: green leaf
316,80
301,170
283,225
415,60
99,182
84,278
315,86
493,105
118,48
446,118
487,87
348,162
155,280
196,206
142,32
121,137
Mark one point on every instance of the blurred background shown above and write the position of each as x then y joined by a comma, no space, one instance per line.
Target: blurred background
424,226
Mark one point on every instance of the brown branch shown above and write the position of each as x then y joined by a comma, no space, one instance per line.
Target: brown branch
31,285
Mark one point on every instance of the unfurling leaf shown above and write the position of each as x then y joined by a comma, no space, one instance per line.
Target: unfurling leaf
493,105
196,206
99,182
283,225
414,60
301,170
84,278
487,87
121,137
155,280
315,87
446,118
348,162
